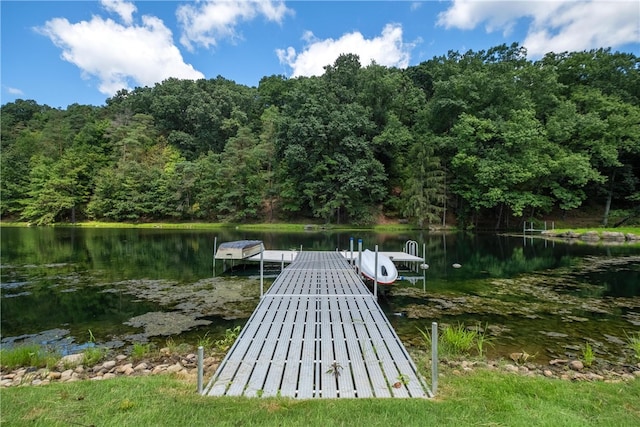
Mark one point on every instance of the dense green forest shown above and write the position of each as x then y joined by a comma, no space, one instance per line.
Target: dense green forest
485,137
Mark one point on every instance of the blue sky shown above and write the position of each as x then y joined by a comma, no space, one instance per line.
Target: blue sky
64,52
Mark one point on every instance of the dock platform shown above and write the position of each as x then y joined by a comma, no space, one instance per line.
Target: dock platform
318,332
288,256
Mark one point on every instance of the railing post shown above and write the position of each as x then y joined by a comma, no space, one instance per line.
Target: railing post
434,357
261,273
424,270
375,275
351,260
200,368
215,246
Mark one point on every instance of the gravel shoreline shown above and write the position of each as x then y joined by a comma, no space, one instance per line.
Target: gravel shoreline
71,368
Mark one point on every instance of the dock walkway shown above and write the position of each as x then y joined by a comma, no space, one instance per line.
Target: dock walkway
318,332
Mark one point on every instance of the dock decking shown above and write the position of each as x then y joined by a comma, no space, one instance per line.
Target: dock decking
318,332
288,256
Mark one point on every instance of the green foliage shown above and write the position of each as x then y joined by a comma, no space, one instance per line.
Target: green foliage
482,341
425,192
634,343
27,355
206,342
481,397
459,340
140,351
93,355
588,356
224,343
489,133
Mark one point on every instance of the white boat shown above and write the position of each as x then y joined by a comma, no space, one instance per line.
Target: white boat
240,249
387,271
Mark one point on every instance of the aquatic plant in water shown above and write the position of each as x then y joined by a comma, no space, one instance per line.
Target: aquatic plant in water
588,357
634,343
230,336
459,340
93,354
482,340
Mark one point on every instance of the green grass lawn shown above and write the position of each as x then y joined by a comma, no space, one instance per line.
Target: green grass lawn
290,227
632,230
481,398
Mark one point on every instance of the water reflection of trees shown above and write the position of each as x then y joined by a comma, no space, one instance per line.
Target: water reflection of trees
67,301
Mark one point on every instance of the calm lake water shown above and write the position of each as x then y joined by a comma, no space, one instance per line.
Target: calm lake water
65,286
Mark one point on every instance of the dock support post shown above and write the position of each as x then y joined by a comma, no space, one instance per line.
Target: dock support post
200,368
434,357
215,247
282,263
359,255
261,274
375,275
351,261
424,270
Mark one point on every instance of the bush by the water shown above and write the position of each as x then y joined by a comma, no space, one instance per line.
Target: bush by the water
459,340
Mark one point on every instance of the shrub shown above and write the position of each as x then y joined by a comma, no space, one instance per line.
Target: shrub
458,340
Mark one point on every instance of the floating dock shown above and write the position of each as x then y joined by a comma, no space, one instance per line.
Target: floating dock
288,256
318,332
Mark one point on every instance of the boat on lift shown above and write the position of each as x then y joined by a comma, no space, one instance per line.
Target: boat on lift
387,272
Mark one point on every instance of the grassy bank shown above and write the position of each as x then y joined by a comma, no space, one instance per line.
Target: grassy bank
600,230
271,227
479,398
286,227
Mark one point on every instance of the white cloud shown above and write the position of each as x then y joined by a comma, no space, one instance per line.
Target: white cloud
120,54
204,23
415,5
14,91
554,26
388,49
123,8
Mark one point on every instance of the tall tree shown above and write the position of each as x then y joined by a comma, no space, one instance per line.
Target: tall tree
241,178
58,189
425,192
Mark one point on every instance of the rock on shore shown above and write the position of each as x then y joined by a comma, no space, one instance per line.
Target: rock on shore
563,369
593,236
70,368
185,366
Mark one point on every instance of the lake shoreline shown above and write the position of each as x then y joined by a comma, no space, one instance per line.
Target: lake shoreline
70,368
